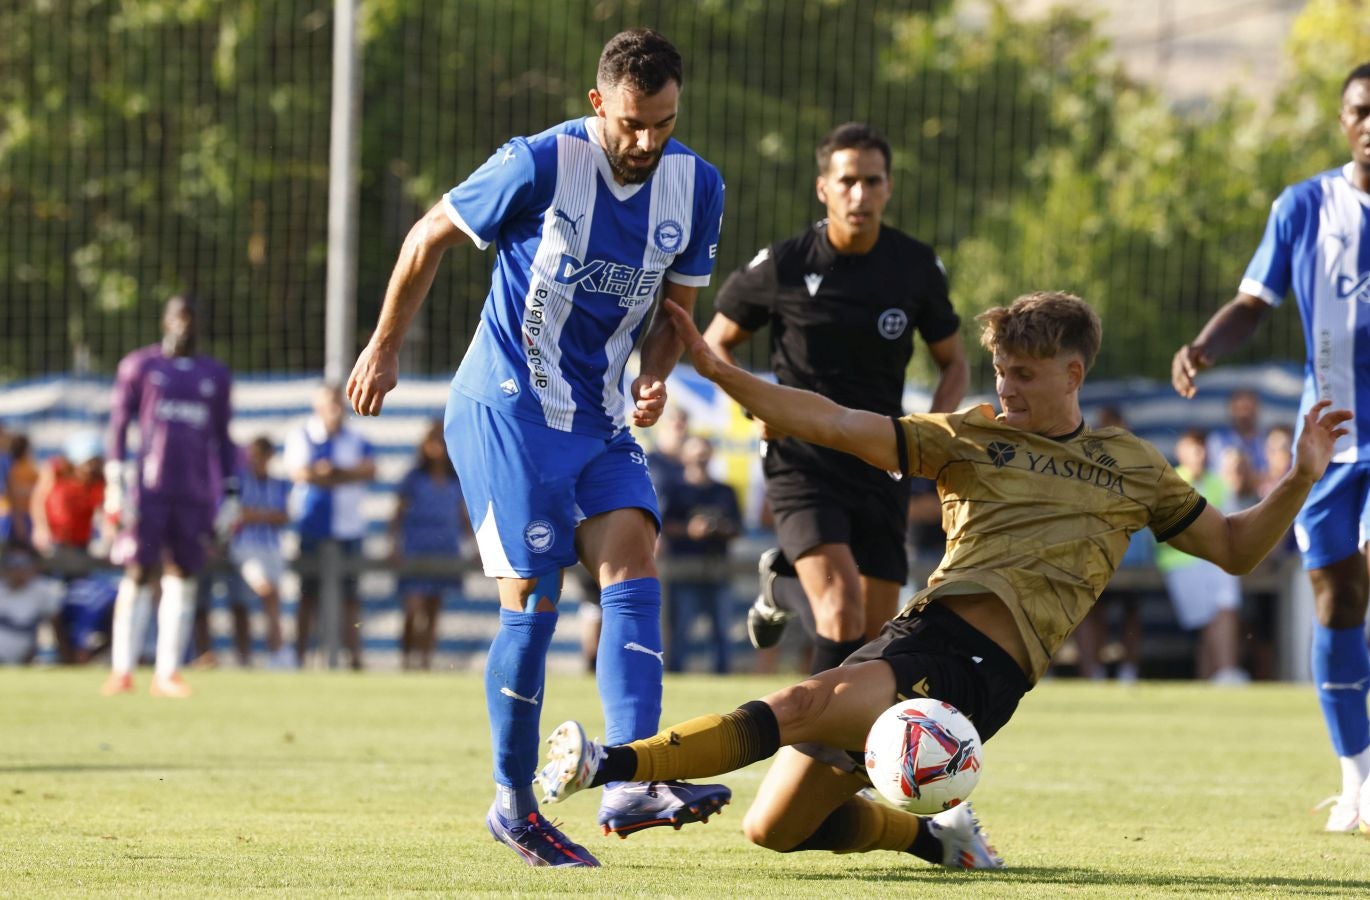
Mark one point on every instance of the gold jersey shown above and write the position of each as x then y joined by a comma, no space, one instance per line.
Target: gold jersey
1040,522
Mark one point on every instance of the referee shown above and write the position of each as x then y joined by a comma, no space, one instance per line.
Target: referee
843,300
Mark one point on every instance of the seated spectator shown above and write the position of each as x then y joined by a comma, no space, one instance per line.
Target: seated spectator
255,551
1205,598
699,518
1279,456
430,520
27,601
68,500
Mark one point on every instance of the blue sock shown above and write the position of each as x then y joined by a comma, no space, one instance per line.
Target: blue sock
1341,674
514,673
630,662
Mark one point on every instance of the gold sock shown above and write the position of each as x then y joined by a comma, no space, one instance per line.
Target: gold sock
860,826
708,745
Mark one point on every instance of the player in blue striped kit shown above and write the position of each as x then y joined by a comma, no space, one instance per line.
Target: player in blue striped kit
591,221
1317,243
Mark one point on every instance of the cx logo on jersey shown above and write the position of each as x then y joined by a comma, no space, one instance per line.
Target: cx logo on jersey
1000,454
1349,288
632,285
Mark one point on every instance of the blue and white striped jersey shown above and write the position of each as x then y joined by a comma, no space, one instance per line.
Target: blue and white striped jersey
579,262
1317,242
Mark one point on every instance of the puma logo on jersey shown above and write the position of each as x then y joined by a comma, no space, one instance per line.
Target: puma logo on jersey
574,223
812,281
508,155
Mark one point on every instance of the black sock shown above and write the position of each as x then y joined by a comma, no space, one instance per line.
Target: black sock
619,764
927,846
828,654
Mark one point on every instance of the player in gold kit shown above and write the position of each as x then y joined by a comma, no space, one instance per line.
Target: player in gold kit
1038,510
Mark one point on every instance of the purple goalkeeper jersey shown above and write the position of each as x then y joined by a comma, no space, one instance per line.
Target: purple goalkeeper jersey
182,408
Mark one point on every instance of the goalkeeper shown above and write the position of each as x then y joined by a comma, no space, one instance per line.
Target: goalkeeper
163,499
1038,510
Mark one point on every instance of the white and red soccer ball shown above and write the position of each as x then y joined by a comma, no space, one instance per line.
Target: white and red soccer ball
923,755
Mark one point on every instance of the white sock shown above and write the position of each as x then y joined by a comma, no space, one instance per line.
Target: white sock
1354,771
174,619
132,610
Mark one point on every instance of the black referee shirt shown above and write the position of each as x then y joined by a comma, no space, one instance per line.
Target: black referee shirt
842,326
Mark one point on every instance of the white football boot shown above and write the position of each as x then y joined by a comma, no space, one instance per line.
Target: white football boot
964,845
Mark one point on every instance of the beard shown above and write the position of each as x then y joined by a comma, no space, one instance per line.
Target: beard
618,163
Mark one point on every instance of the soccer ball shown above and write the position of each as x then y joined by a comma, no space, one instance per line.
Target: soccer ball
923,755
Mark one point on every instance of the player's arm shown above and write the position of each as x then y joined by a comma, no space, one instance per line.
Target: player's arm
378,367
950,356
122,408
722,335
1230,328
38,507
1238,542
660,352
804,414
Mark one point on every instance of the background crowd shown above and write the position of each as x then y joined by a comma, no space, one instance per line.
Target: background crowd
1174,616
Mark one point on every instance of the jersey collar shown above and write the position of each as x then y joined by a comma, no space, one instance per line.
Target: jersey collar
621,192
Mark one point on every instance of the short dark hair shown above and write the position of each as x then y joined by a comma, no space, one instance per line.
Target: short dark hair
851,136
641,59
1359,72
264,444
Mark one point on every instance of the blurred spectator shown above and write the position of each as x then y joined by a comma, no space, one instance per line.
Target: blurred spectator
255,551
1124,604
1239,480
927,542
1279,456
330,465
699,518
590,616
69,498
663,460
1204,596
19,487
27,600
1243,430
4,480
430,520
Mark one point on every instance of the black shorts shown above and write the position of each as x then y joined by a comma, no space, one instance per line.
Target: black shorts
935,653
871,522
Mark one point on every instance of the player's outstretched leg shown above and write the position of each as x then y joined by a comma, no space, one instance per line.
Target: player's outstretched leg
574,764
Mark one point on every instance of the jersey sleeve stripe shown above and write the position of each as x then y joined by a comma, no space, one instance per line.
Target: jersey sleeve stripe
1184,521
1256,289
687,280
458,221
901,446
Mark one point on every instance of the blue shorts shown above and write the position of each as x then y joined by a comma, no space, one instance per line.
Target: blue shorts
528,486
1335,519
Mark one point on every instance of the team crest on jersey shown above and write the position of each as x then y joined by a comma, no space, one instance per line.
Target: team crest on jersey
206,387
668,236
1094,450
539,535
892,323
1000,454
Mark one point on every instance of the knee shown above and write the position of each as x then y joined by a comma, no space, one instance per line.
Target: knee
796,706
764,830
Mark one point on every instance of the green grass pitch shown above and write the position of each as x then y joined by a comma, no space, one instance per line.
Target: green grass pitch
320,784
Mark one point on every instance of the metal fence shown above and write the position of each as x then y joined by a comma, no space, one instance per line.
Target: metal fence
160,146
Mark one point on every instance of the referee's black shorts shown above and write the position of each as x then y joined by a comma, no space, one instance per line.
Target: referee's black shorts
935,653
869,514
